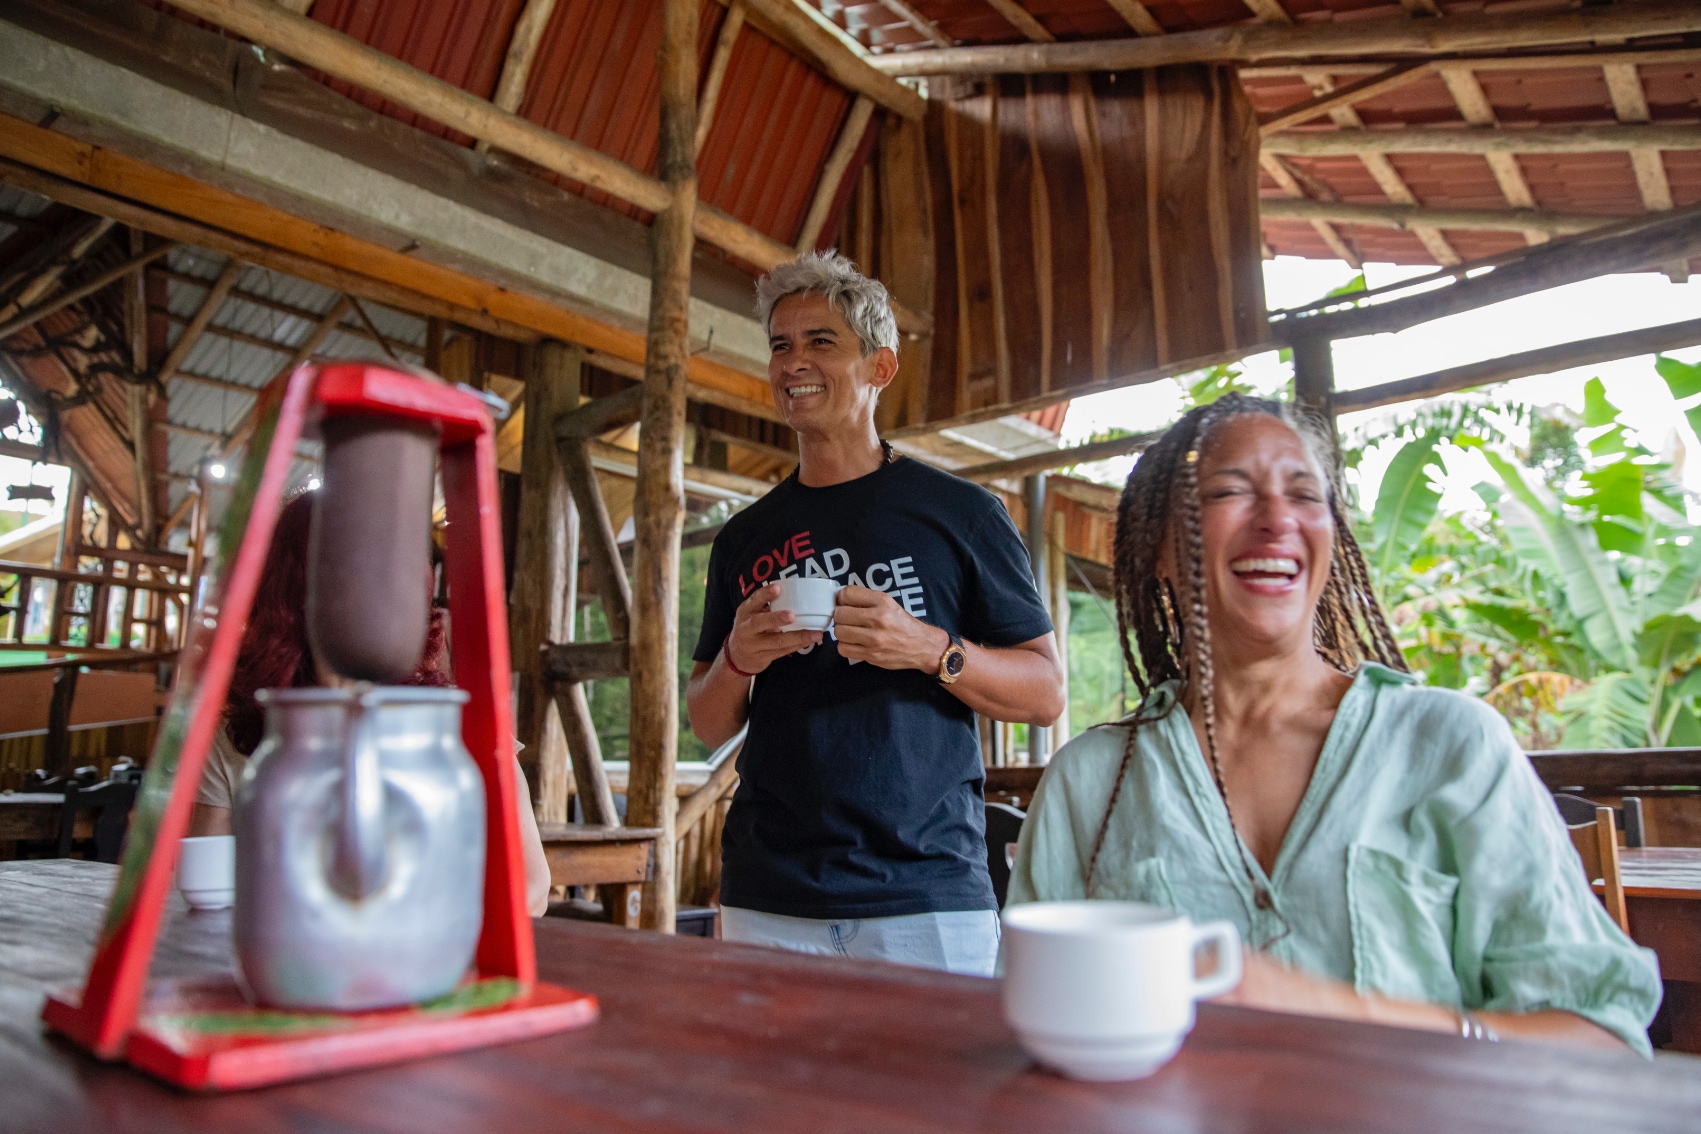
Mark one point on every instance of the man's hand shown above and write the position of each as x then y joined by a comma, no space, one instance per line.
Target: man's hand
872,627
759,636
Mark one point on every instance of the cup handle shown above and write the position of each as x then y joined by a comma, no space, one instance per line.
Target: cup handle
1228,958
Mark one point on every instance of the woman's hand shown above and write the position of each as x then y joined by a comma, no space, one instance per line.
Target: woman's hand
870,626
759,636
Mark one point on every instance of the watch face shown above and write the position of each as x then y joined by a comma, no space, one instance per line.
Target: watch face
954,662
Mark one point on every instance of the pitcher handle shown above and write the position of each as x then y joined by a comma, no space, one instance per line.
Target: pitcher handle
1228,958
359,860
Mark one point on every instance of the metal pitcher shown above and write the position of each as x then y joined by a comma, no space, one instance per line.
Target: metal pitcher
359,849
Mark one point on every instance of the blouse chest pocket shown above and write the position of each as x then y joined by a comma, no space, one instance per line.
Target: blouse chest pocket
1143,880
1402,927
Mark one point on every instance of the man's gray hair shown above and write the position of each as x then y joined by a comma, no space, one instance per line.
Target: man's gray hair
862,302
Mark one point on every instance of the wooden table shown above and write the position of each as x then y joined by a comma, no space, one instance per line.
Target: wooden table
1662,894
36,814
616,860
705,1035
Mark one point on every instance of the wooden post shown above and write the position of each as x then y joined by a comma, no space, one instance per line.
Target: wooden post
1059,579
659,510
539,612
141,396
1314,376
1033,497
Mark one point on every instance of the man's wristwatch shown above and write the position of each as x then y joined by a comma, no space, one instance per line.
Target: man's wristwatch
951,662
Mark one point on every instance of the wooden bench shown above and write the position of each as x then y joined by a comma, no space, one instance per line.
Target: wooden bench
616,860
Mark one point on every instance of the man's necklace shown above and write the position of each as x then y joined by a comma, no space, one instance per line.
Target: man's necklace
886,448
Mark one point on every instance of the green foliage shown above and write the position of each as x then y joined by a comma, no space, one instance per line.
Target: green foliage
1571,604
1215,383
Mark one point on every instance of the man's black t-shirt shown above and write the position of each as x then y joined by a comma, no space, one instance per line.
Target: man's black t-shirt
860,787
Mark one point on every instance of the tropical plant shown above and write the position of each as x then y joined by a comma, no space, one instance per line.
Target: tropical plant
1573,604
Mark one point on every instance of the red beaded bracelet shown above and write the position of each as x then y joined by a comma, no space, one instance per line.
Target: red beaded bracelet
726,652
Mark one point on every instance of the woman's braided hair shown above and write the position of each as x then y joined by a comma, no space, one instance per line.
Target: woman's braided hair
1172,631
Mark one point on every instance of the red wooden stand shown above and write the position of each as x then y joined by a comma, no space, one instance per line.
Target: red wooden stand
203,1035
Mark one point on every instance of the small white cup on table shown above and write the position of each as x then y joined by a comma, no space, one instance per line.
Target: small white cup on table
1105,990
206,871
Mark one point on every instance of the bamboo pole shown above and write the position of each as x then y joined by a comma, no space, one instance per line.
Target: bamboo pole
1367,88
836,58
833,173
659,506
1564,356
517,63
1484,140
538,613
1057,458
1354,39
731,25
1411,216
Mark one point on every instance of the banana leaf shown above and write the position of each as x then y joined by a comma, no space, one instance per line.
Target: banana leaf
1596,409
1405,505
1683,379
1677,589
1611,712
1668,640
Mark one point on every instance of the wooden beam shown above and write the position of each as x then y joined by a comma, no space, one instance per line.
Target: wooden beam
1411,216
1283,177
1547,360
708,395
58,255
348,59
1662,238
1630,104
1314,376
590,779
517,66
659,504
1135,14
698,478
1473,104
833,173
371,327
573,662
394,346
773,452
100,181
912,16
1345,39
1533,61
538,611
216,294
599,416
1270,11
1022,20
1387,178
852,71
22,450
1367,88
731,25
613,588
63,300
1058,458
1507,140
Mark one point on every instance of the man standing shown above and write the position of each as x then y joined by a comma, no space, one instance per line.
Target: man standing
858,827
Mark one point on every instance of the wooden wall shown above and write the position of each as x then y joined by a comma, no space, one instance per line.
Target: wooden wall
1065,231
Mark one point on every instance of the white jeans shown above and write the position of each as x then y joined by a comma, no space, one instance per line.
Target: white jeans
963,941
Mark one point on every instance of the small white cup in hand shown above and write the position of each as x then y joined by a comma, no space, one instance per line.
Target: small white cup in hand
810,601
206,871
1105,990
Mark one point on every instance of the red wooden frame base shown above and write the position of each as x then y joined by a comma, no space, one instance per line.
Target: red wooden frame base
201,1034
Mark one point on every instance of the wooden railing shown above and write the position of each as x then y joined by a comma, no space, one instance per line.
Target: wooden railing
79,609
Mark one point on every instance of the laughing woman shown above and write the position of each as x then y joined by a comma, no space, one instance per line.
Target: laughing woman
1385,849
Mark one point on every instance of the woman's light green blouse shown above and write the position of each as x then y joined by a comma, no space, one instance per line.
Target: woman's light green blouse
1426,861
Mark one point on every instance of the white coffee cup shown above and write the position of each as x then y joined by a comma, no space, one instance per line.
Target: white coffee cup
1105,990
206,871
810,600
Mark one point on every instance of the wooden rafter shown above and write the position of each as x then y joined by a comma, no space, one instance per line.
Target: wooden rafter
371,327
907,12
1022,20
1533,61
1509,140
833,173
517,62
1473,104
731,25
1387,178
203,317
1407,216
1269,11
1328,101
1630,104
1137,16
1341,39
80,238
839,59
1283,177
59,302
269,304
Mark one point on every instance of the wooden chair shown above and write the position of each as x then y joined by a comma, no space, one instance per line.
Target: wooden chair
1597,845
1576,809
1003,828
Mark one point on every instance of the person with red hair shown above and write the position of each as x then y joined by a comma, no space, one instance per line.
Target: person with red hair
276,654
